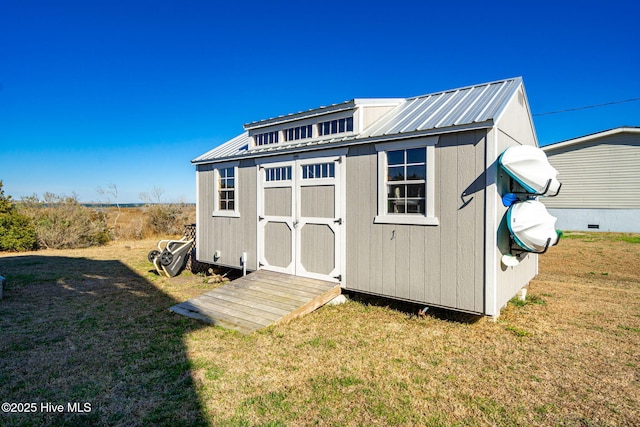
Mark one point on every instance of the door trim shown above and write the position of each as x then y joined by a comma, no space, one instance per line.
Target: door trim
338,227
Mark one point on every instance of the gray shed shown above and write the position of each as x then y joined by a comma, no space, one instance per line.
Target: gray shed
601,181
393,197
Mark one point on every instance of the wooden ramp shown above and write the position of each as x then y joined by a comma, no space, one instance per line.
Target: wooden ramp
258,300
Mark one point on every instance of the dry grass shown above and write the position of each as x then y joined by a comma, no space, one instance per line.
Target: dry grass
129,223
92,325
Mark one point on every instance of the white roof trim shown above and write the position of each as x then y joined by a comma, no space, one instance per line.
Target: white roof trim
591,137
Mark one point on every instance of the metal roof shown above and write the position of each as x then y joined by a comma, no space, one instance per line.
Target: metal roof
468,105
235,146
472,106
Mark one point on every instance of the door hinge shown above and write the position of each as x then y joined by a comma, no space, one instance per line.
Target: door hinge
338,221
339,277
260,218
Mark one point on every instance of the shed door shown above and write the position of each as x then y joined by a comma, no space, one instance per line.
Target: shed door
300,222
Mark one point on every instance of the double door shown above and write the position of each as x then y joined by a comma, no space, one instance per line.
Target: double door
300,217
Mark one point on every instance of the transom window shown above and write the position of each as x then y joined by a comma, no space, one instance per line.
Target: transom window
226,189
319,171
266,138
278,174
335,126
299,132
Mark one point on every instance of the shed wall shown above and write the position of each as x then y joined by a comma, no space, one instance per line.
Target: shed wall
439,265
513,128
230,236
599,174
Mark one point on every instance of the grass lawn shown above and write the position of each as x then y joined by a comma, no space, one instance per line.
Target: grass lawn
92,326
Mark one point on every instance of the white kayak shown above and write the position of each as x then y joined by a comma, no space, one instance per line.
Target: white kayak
531,226
530,167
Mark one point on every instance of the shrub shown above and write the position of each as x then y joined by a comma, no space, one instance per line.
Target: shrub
62,222
16,230
166,219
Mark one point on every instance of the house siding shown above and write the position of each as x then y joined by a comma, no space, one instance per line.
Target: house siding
608,220
598,174
439,265
230,236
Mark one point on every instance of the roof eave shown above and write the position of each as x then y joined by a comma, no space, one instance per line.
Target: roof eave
591,137
336,108
352,141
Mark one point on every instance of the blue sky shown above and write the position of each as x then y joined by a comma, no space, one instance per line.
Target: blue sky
96,92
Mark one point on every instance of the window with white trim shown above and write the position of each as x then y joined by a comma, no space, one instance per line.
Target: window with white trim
282,173
225,197
299,132
406,182
266,138
226,189
335,126
318,171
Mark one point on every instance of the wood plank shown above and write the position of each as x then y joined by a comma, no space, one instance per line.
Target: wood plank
211,309
252,304
312,305
259,300
304,282
216,318
286,290
291,278
273,300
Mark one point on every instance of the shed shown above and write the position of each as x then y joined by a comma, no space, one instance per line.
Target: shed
601,181
399,197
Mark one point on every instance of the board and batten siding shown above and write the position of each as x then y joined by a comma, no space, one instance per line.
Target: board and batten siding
440,265
230,236
599,174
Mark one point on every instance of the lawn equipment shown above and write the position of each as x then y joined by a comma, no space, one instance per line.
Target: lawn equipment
169,258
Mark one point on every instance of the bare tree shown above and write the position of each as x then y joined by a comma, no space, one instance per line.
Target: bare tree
111,192
155,196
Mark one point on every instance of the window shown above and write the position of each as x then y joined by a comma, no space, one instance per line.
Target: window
336,126
319,171
225,197
278,174
300,132
226,189
405,182
266,138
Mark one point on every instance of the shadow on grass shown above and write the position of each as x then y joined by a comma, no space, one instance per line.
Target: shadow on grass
412,309
94,335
